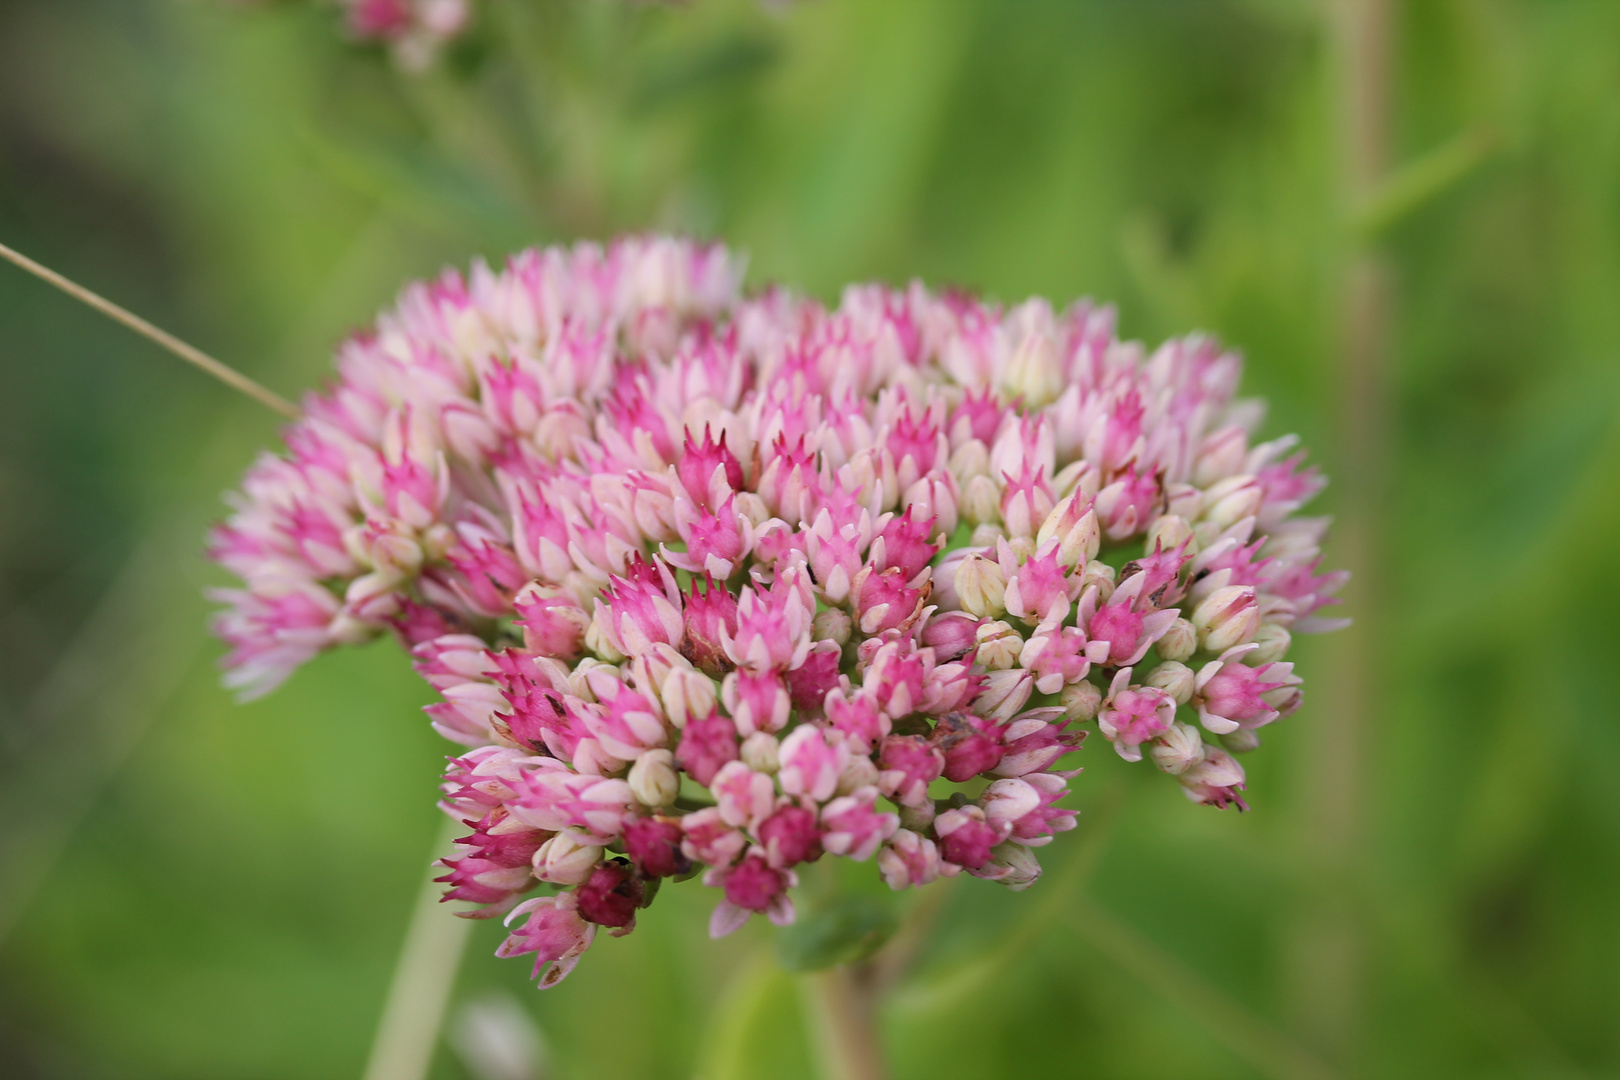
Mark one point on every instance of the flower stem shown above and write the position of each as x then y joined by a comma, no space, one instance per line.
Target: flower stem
844,1007
424,975
190,354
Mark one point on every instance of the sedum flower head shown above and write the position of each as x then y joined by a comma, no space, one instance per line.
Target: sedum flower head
725,583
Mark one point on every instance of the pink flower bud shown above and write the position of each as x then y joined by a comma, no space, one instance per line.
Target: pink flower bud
654,843
969,744
753,885
883,601
467,714
1034,743
1026,501
451,659
743,796
611,896
641,613
707,743
904,545
627,723
858,718
710,616
708,471
811,762
773,629
810,683
934,496
790,836
908,859
951,635
1230,693
709,839
1041,589
756,702
909,764
1022,809
552,929
553,622
1125,506
965,837
951,687
1055,657
1134,714
853,825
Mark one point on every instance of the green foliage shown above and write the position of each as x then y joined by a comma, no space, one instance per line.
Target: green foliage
194,889
844,930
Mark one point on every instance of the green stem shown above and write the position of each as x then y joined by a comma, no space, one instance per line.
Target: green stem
843,1006
424,975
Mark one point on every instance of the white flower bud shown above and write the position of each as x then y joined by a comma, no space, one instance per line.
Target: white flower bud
1174,679
760,752
1179,642
1228,617
1241,741
1077,541
653,780
833,624
1100,574
1004,693
1023,868
917,818
1233,499
753,508
999,645
1178,749
1222,454
981,501
1183,500
981,587
1273,640
597,639
987,535
1169,531
687,694
1034,371
970,459
1068,478
566,860
1080,700
861,772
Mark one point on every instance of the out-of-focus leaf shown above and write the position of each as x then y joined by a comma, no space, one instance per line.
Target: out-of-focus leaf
847,929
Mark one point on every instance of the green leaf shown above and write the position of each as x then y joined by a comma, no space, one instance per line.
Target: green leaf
847,930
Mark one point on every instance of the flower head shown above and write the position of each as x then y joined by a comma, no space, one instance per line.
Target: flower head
740,583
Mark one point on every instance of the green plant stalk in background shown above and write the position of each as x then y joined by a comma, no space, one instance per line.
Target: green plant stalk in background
222,892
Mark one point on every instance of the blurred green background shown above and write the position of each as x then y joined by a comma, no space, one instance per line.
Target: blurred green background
1411,227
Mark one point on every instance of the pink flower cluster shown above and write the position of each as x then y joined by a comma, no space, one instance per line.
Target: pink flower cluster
724,583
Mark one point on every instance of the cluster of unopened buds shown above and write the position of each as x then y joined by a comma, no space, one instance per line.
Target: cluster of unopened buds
725,584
